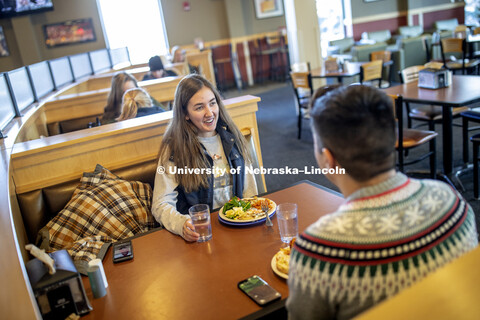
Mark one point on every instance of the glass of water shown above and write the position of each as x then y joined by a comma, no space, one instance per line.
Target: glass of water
200,214
287,221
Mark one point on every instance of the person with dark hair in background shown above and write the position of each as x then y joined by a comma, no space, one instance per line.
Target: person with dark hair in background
157,70
390,232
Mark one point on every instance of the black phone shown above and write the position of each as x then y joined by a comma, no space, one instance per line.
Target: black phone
259,290
122,251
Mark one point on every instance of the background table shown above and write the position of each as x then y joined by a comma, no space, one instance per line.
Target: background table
350,69
172,279
463,91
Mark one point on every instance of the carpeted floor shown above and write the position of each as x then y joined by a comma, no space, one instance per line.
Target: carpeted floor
277,124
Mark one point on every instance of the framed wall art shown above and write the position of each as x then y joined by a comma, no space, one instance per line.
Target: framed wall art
69,32
268,8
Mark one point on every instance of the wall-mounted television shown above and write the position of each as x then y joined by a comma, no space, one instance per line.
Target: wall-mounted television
13,8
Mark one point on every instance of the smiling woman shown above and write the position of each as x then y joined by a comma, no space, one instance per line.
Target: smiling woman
201,135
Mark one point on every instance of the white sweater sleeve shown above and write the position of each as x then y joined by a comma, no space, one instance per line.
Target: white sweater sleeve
164,204
250,186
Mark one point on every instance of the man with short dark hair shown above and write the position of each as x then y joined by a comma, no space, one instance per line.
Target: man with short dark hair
390,232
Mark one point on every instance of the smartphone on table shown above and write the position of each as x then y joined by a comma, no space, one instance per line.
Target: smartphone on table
259,290
122,251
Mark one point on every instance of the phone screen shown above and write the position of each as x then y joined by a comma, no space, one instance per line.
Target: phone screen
257,289
122,251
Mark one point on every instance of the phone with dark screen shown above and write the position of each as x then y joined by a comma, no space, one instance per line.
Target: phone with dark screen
259,290
122,251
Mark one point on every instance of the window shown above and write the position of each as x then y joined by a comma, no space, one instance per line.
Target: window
334,18
137,25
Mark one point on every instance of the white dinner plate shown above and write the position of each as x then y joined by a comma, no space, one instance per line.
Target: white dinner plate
271,212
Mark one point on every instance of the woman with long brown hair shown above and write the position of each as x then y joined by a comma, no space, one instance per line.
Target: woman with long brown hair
200,136
121,82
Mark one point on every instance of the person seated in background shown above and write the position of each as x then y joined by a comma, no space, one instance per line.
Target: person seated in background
137,103
390,232
200,135
179,55
121,82
157,70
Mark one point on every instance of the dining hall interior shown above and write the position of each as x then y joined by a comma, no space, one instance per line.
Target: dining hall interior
266,59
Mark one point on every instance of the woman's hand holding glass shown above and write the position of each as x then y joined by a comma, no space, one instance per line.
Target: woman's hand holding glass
189,233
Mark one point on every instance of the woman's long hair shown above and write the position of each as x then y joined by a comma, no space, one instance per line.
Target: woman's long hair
114,100
181,137
133,99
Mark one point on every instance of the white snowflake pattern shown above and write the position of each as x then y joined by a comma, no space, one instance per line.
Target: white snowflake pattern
388,223
364,225
432,203
414,215
339,224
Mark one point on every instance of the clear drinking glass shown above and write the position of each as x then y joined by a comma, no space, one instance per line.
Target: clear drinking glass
287,221
200,214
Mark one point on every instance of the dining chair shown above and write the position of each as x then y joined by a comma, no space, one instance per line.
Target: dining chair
429,113
386,57
455,49
371,71
411,138
461,31
303,88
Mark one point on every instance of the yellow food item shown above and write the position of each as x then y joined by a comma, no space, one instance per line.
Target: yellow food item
283,257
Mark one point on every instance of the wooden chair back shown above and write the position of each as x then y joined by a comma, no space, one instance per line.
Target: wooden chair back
476,30
371,71
461,31
452,45
301,80
383,55
410,74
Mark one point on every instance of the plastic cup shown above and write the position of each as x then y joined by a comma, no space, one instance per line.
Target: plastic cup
287,221
200,215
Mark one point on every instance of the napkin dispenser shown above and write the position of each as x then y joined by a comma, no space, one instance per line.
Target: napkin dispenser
434,78
59,294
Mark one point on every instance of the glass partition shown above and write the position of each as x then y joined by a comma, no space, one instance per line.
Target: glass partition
21,87
62,74
7,110
81,65
120,57
41,78
100,60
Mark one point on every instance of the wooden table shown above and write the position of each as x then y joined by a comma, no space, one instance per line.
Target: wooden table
463,91
350,69
452,292
171,279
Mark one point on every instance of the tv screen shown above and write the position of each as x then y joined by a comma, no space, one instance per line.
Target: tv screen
12,8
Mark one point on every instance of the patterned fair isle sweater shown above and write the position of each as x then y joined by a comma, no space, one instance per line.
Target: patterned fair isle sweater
381,240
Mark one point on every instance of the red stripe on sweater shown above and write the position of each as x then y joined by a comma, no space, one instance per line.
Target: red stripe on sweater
383,193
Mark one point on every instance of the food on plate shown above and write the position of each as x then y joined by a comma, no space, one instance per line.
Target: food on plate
245,209
283,257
